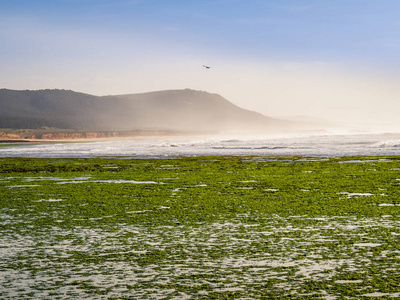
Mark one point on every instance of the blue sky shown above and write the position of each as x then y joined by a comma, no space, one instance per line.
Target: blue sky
286,57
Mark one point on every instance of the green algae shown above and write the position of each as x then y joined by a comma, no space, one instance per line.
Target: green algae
203,227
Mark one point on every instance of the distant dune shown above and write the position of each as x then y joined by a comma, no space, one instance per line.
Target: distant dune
179,110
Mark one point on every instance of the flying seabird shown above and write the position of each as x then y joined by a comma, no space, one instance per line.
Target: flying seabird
207,67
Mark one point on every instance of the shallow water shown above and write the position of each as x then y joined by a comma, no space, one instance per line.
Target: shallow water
272,145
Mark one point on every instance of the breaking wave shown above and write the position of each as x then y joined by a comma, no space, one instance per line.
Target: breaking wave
388,144
311,145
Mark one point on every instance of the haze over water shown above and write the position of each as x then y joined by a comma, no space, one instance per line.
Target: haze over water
334,145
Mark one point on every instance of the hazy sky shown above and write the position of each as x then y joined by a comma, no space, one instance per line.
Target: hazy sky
338,59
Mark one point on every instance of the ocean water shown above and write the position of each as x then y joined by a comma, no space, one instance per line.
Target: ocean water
320,145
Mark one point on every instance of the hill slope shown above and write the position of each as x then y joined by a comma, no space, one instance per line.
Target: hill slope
174,110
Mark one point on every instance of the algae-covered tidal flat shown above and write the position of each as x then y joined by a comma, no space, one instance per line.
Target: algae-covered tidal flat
203,227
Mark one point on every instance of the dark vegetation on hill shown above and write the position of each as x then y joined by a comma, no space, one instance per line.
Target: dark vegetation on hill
186,110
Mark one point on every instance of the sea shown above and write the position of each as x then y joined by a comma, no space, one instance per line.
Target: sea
310,145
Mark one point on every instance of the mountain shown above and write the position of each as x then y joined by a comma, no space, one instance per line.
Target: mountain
187,110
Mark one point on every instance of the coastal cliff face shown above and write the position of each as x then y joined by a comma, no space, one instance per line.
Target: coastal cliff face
74,135
100,134
5,136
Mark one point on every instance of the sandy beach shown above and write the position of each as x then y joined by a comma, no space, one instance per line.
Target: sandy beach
92,136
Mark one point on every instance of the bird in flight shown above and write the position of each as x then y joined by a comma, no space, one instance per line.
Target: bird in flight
207,67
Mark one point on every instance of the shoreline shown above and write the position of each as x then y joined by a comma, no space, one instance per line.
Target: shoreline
4,142
94,137
50,141
204,145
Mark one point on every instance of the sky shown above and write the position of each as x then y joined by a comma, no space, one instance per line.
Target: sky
332,59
